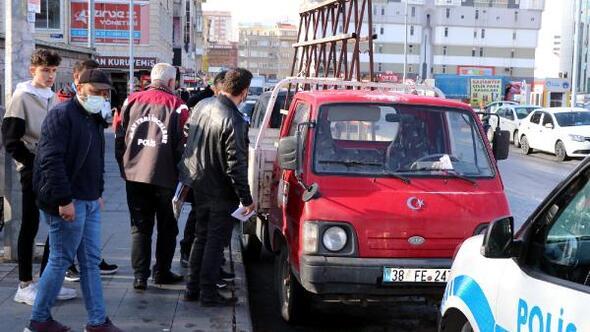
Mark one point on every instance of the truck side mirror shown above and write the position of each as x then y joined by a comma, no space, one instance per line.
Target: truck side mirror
498,241
501,144
288,153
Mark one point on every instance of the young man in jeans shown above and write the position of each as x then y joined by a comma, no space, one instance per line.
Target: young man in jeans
21,129
69,181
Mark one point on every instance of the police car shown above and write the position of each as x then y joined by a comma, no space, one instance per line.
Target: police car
535,281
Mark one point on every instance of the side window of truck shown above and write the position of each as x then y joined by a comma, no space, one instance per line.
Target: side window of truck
560,247
301,115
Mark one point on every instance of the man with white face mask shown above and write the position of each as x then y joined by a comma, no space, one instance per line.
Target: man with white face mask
68,179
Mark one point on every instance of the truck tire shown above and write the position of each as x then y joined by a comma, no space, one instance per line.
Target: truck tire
251,247
293,299
560,151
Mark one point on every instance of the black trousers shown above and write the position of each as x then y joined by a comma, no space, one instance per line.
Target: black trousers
28,229
148,204
214,225
189,228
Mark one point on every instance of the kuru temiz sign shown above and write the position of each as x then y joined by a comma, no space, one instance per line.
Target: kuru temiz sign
122,62
485,90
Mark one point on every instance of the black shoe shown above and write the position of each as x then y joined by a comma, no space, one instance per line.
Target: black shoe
218,300
72,274
227,276
167,278
106,268
140,284
221,284
191,296
184,260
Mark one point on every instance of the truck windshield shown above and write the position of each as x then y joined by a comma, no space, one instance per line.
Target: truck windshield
376,139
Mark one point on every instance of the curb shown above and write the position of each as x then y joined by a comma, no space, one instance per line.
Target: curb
242,321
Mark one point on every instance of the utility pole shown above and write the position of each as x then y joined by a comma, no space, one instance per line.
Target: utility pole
20,44
405,43
91,24
576,57
131,46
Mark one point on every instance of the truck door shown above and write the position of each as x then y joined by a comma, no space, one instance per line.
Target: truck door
550,289
288,192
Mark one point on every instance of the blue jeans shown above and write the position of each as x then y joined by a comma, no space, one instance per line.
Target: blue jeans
66,240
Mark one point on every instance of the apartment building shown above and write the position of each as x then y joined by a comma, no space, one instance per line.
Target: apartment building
267,50
218,27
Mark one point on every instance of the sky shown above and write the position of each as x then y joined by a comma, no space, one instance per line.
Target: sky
546,63
257,11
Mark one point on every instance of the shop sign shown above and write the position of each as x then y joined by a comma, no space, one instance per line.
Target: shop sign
484,91
111,22
475,71
34,6
122,62
557,85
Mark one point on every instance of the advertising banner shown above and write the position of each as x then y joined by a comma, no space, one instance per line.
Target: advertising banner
111,22
475,71
121,62
484,91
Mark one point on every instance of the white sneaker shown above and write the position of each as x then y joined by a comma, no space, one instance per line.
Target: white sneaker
66,294
27,294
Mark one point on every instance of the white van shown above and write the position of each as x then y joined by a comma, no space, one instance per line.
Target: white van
535,281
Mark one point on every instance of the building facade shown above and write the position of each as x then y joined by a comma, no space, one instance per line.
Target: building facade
221,57
267,50
464,37
218,27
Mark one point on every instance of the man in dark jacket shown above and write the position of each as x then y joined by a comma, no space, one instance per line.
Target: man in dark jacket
148,145
68,180
215,165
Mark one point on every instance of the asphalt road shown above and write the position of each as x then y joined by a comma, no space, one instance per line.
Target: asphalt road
528,179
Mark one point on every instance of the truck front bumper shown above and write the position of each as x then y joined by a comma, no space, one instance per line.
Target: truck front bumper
364,276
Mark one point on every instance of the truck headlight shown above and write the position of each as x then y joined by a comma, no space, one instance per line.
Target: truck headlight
577,138
310,237
334,238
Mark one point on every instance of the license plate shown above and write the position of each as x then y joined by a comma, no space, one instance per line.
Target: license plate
393,274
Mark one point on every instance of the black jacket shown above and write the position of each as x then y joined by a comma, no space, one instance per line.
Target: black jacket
70,157
215,160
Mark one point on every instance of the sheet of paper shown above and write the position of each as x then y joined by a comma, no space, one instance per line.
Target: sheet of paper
238,214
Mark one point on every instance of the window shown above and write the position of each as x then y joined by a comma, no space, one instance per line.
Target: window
444,50
473,52
516,16
382,11
380,66
483,33
413,11
514,35
411,48
547,120
301,116
411,30
446,31
477,14
474,34
444,69
380,49
448,12
50,16
536,117
561,239
481,51
381,31
512,53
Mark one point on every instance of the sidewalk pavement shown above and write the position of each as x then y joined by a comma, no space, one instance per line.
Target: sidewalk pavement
160,308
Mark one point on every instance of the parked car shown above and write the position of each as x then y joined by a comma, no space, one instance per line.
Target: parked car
369,194
493,106
536,280
563,131
247,107
511,117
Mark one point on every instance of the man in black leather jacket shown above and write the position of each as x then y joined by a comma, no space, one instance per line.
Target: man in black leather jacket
215,165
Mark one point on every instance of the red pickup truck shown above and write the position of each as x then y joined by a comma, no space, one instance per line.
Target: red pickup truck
368,194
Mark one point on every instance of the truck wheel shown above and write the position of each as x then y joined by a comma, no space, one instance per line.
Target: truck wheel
560,151
293,299
251,247
524,145
515,139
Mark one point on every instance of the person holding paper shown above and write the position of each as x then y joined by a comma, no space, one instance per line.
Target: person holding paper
215,165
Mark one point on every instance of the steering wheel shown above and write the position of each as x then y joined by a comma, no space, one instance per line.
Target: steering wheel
433,157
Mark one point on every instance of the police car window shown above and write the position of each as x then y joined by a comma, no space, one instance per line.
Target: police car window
536,117
562,249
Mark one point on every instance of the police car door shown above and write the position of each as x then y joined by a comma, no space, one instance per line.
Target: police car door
547,289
